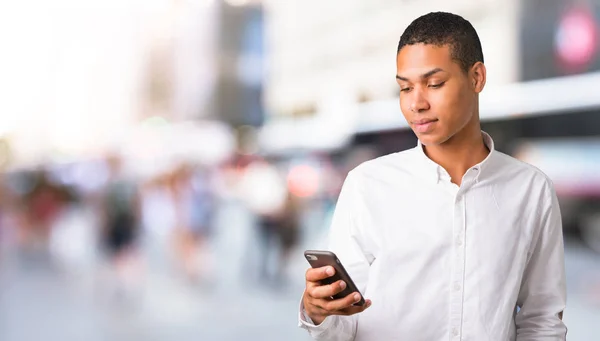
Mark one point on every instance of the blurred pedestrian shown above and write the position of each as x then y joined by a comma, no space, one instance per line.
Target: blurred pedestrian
264,191
120,230
194,200
42,206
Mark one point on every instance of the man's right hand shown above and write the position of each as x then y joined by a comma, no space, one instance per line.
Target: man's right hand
317,297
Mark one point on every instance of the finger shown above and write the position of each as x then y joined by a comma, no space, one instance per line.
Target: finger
319,274
326,291
354,309
323,307
343,303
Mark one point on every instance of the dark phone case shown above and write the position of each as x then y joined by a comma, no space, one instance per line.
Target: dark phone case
325,258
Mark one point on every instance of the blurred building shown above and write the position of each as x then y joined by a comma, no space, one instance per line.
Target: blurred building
180,69
68,76
239,87
81,78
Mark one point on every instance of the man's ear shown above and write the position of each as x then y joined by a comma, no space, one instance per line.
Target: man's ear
478,75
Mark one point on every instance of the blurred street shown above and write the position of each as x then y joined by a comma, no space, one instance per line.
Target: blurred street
42,301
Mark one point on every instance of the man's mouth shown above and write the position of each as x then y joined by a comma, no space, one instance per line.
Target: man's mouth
424,125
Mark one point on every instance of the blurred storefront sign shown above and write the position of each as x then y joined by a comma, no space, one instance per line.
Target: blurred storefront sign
559,38
576,39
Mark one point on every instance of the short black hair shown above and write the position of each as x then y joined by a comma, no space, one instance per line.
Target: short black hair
442,28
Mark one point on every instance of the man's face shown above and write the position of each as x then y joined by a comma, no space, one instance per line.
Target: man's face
437,98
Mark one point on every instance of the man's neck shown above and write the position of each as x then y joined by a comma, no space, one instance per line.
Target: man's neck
458,154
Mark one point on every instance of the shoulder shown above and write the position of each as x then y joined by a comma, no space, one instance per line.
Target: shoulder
522,173
397,161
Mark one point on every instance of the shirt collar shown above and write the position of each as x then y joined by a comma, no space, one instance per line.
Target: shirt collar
434,172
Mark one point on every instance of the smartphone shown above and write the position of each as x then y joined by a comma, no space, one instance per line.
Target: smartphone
319,258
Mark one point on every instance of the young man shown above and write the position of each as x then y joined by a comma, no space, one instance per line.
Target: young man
451,240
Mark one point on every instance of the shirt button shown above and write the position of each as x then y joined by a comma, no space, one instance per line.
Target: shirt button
455,332
459,242
456,287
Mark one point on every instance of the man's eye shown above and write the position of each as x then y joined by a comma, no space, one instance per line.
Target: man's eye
404,89
435,86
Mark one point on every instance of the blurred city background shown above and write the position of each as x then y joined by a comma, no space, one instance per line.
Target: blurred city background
166,162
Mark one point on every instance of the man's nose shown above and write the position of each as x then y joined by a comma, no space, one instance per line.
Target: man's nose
418,102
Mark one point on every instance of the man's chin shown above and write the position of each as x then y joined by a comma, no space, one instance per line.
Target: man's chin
430,139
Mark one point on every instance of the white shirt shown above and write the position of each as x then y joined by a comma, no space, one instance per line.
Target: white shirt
443,262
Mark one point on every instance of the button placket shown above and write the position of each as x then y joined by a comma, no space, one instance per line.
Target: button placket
457,294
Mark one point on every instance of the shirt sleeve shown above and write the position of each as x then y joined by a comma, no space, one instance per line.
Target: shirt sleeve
542,297
346,240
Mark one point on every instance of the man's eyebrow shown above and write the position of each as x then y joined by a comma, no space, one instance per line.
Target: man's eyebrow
423,76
